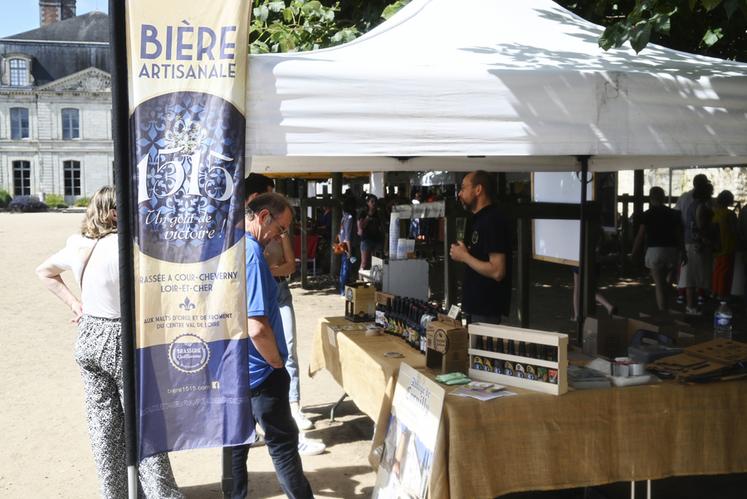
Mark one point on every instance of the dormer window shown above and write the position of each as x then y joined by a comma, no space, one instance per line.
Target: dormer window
19,72
16,70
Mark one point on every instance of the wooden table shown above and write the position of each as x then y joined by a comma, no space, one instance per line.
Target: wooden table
536,441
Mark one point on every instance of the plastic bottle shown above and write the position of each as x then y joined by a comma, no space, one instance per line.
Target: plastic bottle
722,322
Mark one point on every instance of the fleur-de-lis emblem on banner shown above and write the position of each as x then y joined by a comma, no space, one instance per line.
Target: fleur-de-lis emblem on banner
187,304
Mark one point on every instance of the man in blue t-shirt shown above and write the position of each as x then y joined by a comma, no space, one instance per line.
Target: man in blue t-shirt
268,217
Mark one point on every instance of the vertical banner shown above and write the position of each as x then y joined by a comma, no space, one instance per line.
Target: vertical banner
405,467
187,61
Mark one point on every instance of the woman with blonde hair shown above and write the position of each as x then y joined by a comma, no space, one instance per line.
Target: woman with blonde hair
93,258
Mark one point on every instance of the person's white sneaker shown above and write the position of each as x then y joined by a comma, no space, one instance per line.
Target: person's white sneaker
309,447
692,311
302,422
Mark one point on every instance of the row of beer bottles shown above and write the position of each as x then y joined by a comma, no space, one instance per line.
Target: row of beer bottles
407,318
520,348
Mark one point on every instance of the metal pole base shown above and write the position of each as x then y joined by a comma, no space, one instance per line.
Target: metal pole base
132,482
337,404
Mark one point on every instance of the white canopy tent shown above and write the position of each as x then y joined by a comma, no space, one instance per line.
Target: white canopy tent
493,84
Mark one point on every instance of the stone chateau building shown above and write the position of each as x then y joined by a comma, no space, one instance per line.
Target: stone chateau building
55,105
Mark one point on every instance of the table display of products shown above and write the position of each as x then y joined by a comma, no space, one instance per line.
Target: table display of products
635,433
536,360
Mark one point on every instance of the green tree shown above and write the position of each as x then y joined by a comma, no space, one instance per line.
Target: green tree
716,28
300,25
296,25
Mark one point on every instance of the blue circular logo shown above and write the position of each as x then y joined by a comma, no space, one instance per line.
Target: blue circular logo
189,353
188,157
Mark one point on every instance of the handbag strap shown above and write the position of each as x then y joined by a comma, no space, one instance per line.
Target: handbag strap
85,263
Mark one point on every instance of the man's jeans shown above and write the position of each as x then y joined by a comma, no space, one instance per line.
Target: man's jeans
272,411
285,302
346,271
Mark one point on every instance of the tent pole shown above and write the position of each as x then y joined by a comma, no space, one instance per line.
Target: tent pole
582,257
449,238
303,195
120,128
336,214
524,258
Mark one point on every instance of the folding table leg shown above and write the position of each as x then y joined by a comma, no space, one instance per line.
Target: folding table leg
337,404
648,489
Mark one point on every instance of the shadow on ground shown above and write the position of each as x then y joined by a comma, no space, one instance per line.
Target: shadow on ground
350,424
338,481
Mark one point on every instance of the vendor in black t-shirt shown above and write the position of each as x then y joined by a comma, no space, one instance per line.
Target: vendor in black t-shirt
486,290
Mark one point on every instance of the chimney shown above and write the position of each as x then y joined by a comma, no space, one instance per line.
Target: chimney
51,11
68,9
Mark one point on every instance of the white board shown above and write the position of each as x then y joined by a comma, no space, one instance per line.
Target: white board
557,240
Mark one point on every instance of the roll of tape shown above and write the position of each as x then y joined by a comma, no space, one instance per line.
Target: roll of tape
637,369
620,370
621,367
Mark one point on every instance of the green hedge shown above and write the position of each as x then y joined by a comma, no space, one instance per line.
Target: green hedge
82,202
5,198
55,201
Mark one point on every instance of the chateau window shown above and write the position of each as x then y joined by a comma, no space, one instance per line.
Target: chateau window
19,123
21,178
19,72
70,124
71,171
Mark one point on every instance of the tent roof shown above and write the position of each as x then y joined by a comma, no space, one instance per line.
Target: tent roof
493,84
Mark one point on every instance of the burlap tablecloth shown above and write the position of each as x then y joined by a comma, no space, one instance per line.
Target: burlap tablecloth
536,441
358,364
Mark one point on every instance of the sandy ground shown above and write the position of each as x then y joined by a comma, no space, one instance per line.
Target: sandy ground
44,449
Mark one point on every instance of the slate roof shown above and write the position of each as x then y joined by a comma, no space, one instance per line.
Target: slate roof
63,48
90,27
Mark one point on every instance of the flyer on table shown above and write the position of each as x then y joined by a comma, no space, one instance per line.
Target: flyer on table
187,63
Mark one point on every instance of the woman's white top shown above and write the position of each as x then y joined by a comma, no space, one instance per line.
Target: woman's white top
100,289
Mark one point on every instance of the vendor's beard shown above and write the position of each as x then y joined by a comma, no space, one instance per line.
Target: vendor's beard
469,206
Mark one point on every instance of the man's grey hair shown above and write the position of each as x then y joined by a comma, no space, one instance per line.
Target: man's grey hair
273,202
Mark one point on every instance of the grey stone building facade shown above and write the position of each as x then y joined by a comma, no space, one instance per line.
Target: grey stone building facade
55,105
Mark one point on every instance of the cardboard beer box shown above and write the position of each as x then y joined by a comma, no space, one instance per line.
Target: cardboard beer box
610,336
382,298
446,345
605,336
361,300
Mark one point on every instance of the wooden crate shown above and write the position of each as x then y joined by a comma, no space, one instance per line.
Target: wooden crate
528,336
382,298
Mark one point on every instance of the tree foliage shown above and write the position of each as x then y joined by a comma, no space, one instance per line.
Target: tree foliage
300,25
296,25
710,27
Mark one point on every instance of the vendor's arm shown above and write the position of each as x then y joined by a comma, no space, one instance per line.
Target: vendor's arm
493,268
260,332
289,265
49,273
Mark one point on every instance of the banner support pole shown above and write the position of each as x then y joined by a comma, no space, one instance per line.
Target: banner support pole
120,135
